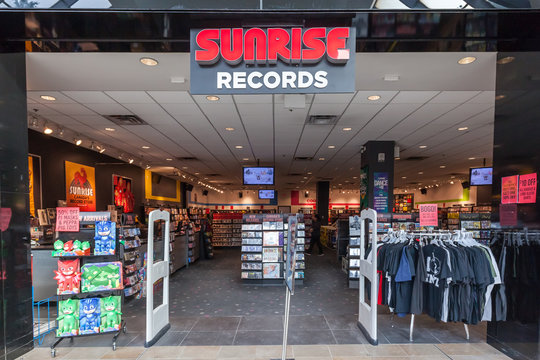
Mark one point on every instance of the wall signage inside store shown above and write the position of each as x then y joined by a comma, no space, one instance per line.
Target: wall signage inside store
380,189
272,60
428,215
67,219
509,191
527,189
123,195
80,186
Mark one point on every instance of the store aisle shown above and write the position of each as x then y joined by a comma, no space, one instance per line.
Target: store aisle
211,306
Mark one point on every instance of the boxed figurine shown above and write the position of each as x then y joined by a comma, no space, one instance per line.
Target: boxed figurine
111,315
89,316
105,238
68,277
68,318
71,248
102,276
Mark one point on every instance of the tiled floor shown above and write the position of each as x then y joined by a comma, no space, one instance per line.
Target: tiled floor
477,351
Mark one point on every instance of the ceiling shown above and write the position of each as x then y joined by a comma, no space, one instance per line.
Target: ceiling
433,97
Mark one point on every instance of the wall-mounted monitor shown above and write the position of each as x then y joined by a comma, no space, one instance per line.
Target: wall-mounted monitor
267,194
481,176
258,175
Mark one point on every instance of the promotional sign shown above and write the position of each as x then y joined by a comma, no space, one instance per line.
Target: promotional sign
508,214
290,263
80,186
428,215
380,191
527,189
509,190
273,60
67,219
123,195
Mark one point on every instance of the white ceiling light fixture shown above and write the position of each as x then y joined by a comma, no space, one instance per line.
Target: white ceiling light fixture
347,129
102,150
131,161
420,173
48,97
472,158
145,147
373,97
309,173
321,159
110,129
184,167
245,159
148,61
423,146
442,166
229,128
391,77
463,128
78,142
403,177
47,130
506,60
212,98
239,147
466,60
355,177
500,97
148,167
168,159
331,146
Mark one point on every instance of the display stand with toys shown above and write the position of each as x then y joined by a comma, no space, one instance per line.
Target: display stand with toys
90,280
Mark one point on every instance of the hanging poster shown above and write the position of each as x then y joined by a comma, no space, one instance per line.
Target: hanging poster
527,189
123,193
380,191
80,186
509,190
428,215
364,188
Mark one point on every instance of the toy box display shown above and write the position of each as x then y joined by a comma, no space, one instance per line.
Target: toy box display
102,276
90,319
68,318
105,238
71,248
68,277
111,315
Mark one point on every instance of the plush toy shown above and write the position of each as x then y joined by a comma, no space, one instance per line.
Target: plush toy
101,276
111,317
68,323
105,237
68,277
89,310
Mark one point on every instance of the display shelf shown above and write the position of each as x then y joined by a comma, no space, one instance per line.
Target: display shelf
479,224
403,203
227,229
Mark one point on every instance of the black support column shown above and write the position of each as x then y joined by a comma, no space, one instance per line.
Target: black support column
323,199
16,293
378,162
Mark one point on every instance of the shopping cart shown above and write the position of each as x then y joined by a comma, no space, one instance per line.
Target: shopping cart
43,323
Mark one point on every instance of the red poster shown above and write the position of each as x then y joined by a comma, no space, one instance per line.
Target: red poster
527,189
5,218
508,214
428,215
67,219
509,190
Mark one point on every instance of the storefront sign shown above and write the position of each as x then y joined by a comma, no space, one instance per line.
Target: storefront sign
273,60
508,215
509,191
67,219
380,191
428,215
80,186
527,189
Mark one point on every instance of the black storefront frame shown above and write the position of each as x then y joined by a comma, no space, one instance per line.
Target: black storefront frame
516,32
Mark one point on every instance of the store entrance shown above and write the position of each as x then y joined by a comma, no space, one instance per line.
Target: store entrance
185,153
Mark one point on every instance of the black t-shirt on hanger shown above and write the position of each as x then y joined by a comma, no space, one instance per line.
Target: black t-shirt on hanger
437,273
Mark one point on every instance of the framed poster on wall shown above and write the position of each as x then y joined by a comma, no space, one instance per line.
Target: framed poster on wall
123,193
80,186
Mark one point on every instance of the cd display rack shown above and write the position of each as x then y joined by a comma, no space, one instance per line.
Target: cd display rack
353,251
227,229
130,239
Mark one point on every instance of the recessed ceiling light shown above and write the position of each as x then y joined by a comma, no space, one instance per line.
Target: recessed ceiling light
452,182
331,146
212,98
148,61
184,167
168,159
373,97
505,60
403,177
145,147
305,177
48,97
472,158
47,130
423,146
466,60
245,159
321,159
197,173
229,128
131,161
102,150
452,177
110,129
463,128
442,166
78,142
355,177
347,129
500,97
420,173
239,147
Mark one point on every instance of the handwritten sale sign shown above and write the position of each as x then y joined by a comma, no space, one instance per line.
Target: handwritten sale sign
509,190
67,219
527,189
428,215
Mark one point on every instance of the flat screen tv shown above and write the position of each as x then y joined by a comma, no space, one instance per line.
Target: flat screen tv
481,176
267,194
258,175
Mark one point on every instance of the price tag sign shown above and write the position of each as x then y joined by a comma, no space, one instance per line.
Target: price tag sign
509,190
428,215
67,219
527,189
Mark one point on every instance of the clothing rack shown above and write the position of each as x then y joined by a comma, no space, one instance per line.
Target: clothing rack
431,233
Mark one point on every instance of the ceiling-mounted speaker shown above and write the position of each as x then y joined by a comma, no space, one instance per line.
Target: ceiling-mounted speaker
189,187
466,184
306,194
205,192
423,191
240,194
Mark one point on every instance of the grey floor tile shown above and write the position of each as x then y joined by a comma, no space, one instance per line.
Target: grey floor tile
209,338
350,337
342,322
217,323
308,322
307,337
258,338
264,322
182,323
170,338
401,336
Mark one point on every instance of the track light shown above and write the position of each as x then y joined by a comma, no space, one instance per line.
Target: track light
47,130
131,161
77,141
